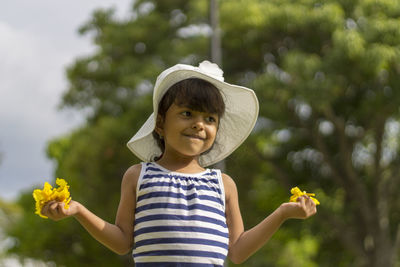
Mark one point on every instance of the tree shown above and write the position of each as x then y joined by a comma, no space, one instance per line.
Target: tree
330,117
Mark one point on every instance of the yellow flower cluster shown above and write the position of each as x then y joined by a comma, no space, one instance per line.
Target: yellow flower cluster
42,196
296,192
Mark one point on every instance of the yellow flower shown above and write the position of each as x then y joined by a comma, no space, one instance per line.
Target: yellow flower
296,192
42,196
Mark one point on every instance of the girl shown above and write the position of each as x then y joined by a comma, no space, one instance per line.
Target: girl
173,211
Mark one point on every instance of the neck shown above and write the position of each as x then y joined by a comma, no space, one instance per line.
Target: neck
188,165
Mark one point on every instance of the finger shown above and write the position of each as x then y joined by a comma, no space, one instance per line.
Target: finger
61,209
45,208
302,201
54,206
53,209
57,209
311,206
309,201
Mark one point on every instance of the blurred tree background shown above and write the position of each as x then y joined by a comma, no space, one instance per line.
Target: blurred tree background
327,77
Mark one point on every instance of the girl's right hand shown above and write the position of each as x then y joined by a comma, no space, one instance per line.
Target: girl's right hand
56,210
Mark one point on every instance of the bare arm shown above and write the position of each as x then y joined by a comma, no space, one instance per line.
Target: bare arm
243,244
117,237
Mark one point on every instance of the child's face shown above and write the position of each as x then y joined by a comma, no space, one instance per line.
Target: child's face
187,132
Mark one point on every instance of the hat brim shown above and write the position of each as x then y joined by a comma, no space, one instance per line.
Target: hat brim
241,112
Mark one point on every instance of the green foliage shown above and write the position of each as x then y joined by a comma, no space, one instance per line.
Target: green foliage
327,77
299,252
9,214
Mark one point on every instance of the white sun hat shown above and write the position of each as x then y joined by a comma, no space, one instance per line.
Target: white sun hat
241,112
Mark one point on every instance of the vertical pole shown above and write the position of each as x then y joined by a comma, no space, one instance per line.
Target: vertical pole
216,51
216,54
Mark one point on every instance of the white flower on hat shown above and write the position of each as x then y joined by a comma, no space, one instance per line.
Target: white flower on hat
211,69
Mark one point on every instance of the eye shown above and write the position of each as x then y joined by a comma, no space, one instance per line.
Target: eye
186,113
211,119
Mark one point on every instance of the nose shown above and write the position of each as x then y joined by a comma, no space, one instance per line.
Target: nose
198,124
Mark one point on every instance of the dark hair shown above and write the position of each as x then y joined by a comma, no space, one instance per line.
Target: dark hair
193,93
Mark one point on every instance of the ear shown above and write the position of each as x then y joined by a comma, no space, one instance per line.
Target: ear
159,125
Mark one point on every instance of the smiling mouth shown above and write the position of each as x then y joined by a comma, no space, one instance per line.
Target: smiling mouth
194,137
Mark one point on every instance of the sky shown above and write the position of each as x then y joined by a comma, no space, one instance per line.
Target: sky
38,40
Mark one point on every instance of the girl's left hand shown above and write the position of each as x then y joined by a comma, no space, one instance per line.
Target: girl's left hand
302,209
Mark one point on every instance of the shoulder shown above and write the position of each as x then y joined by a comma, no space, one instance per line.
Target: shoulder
133,171
131,176
229,186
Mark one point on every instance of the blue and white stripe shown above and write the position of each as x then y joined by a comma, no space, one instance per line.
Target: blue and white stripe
180,218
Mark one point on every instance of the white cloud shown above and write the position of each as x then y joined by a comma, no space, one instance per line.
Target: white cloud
31,84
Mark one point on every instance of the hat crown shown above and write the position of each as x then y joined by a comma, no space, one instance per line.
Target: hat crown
211,69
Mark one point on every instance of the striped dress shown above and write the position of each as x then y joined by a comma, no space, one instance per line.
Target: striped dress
179,218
